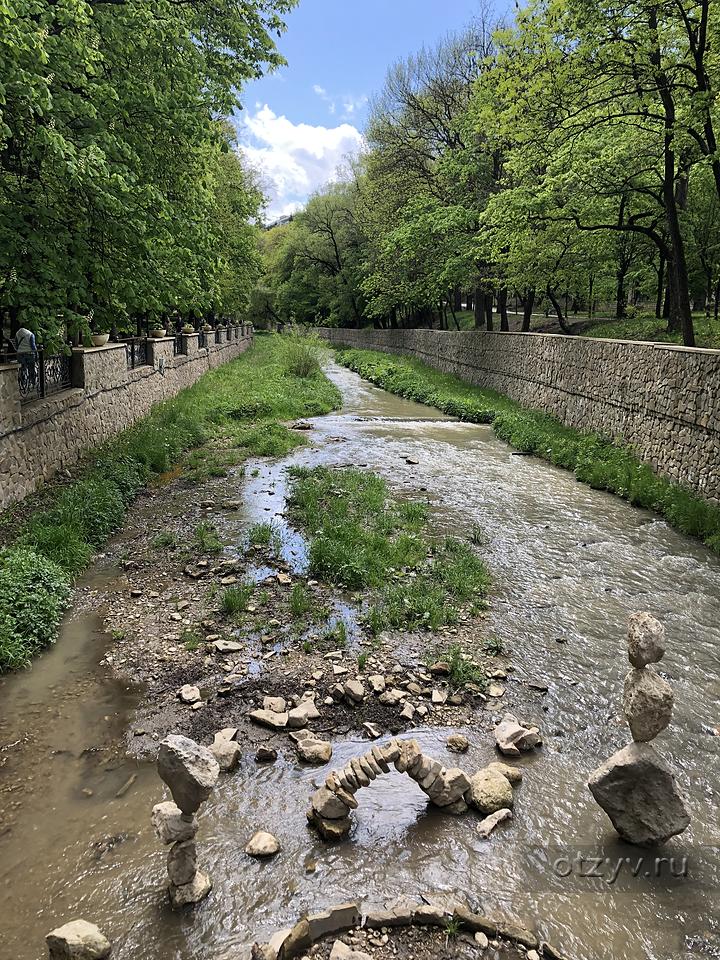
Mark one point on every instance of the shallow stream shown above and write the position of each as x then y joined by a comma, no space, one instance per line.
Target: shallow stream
570,564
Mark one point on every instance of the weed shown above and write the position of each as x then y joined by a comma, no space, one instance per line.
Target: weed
190,639
362,661
165,541
302,355
260,535
462,668
300,601
452,927
234,600
205,539
117,635
307,646
493,646
477,537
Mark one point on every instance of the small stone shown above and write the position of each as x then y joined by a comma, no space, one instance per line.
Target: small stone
486,826
189,693
457,743
647,703
354,691
372,731
189,770
182,862
332,829
511,736
439,697
171,826
646,640
341,951
276,704
407,712
451,785
496,690
377,683
227,646
345,916
328,805
513,774
268,718
190,893
226,752
533,955
301,715
314,751
262,844
78,940
265,755
440,669
481,940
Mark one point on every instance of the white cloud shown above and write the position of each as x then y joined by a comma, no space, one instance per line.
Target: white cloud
293,159
347,103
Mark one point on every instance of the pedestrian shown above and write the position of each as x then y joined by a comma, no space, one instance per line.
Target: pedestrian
26,354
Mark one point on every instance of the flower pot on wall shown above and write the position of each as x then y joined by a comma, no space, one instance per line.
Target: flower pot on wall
158,332
99,339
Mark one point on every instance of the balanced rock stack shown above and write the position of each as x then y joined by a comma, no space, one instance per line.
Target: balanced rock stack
191,772
636,787
449,789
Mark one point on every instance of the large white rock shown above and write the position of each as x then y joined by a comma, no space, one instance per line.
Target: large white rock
226,751
646,640
314,751
489,791
269,718
511,736
78,940
637,790
190,893
300,716
189,770
328,805
647,703
262,844
171,825
449,787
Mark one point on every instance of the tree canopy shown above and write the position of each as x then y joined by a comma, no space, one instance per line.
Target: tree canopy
122,194
570,156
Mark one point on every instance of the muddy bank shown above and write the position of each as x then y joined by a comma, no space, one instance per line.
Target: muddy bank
570,564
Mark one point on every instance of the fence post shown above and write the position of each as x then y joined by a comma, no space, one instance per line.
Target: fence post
41,371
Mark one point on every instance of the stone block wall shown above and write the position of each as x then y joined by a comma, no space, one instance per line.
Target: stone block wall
41,437
662,400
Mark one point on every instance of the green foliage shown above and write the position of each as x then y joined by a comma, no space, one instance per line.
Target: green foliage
707,330
462,669
205,538
302,354
165,541
301,601
493,646
79,517
235,600
33,595
191,640
594,459
260,535
362,661
357,536
121,191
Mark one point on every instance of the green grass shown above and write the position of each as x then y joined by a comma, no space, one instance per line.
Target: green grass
594,459
643,327
191,640
462,670
236,410
235,600
358,536
205,538
301,601
165,541
362,539
260,535
302,354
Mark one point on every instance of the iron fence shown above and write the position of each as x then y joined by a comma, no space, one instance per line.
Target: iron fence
179,345
136,352
40,375
202,339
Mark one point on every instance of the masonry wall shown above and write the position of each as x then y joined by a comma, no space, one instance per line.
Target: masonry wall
41,437
662,400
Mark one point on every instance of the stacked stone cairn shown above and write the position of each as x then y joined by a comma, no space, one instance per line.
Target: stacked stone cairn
636,787
191,772
452,790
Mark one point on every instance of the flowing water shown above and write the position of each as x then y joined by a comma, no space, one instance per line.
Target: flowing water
570,564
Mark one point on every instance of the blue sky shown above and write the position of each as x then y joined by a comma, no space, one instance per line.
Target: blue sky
300,122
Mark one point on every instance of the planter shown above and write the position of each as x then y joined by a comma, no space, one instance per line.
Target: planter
99,339
188,330
206,327
157,333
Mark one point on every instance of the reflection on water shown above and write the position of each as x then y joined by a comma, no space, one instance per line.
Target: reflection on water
570,564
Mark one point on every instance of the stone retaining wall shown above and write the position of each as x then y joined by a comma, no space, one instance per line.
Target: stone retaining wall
41,437
662,400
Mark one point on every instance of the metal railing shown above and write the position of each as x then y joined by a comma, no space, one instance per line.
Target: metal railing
41,376
179,345
137,352
202,339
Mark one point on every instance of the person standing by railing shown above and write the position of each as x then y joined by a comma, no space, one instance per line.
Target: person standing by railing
26,350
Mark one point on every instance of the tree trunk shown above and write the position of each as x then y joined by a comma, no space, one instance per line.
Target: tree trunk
457,300
620,296
479,308
528,303
502,307
660,283
558,310
489,311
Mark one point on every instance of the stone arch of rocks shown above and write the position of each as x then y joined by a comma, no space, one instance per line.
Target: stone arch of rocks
490,790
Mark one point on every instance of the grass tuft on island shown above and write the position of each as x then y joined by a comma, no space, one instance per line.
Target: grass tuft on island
361,538
231,413
594,459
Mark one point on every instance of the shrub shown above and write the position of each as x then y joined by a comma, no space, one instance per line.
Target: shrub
33,594
302,355
234,600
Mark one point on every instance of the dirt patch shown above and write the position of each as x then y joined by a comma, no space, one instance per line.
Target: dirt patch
418,943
